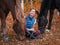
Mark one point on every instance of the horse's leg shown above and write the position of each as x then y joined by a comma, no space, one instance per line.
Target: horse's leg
43,20
2,20
3,26
16,23
50,18
43,10
43,7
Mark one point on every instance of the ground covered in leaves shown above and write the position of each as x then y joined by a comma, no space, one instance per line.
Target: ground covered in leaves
49,38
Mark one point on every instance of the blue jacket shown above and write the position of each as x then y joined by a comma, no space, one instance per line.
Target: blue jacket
29,22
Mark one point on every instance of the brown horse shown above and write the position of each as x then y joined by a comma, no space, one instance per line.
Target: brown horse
5,7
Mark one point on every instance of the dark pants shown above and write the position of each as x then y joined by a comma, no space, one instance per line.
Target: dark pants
31,34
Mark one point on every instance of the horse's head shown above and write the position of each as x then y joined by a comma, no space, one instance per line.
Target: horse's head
42,23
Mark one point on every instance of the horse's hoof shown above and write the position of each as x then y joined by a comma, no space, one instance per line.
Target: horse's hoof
47,30
20,38
6,38
1,35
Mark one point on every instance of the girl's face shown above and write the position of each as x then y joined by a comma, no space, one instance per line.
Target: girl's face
32,12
